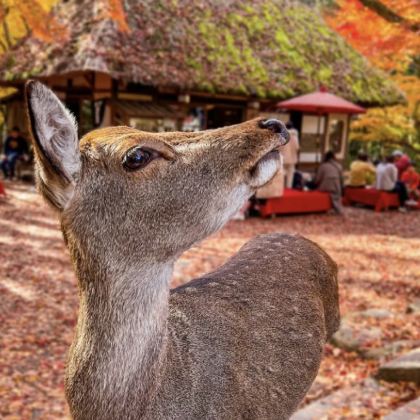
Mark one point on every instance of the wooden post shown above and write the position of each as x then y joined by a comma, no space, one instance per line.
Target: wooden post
346,139
252,109
114,98
92,98
318,140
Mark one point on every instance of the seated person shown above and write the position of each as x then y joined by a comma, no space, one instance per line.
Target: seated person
387,180
329,178
401,161
15,147
411,180
362,172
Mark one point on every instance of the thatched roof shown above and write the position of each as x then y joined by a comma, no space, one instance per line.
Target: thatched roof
268,48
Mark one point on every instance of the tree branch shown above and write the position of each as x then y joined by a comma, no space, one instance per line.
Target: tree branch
405,144
3,46
389,15
25,24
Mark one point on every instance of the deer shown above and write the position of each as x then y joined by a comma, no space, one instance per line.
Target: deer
242,342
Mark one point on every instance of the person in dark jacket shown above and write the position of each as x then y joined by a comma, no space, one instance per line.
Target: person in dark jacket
329,178
15,147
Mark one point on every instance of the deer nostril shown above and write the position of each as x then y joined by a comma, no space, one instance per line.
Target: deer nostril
276,126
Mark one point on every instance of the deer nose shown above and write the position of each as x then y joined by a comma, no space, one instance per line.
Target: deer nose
276,126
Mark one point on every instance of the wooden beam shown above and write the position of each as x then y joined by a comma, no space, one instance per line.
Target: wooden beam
90,79
134,97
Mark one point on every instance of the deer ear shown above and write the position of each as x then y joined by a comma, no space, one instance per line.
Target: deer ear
56,145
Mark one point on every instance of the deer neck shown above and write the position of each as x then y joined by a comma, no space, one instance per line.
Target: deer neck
120,342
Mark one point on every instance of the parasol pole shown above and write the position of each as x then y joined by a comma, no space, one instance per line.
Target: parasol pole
318,140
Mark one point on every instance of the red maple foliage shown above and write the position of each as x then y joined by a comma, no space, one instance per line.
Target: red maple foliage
388,44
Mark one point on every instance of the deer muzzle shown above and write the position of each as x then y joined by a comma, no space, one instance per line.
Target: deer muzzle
276,126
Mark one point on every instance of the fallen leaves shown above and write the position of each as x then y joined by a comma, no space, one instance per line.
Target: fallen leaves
377,254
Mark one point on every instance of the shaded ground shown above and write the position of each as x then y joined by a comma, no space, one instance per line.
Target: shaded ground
378,256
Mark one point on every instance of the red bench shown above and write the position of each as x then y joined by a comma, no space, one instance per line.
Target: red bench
2,190
294,201
380,200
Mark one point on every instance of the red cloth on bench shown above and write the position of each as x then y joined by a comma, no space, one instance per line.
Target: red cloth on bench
294,201
371,197
2,190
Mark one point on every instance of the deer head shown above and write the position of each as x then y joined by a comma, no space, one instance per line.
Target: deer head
154,194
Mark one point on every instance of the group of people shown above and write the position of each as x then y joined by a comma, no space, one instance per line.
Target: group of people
396,174
15,148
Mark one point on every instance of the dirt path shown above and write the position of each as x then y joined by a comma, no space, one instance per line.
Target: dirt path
378,256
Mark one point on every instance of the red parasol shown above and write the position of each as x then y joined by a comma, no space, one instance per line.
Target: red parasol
321,103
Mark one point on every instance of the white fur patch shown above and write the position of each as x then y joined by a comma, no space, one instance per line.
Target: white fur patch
265,171
237,198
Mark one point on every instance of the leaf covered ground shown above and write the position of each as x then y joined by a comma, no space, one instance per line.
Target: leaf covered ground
378,257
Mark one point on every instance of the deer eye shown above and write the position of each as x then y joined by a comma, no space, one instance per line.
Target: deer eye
137,158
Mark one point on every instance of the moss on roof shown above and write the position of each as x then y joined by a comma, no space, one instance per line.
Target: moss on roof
268,48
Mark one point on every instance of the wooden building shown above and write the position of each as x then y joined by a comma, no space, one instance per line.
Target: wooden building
187,65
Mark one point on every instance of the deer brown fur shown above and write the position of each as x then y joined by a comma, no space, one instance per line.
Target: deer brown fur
243,342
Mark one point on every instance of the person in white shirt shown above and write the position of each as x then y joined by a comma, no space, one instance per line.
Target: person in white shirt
290,154
387,180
